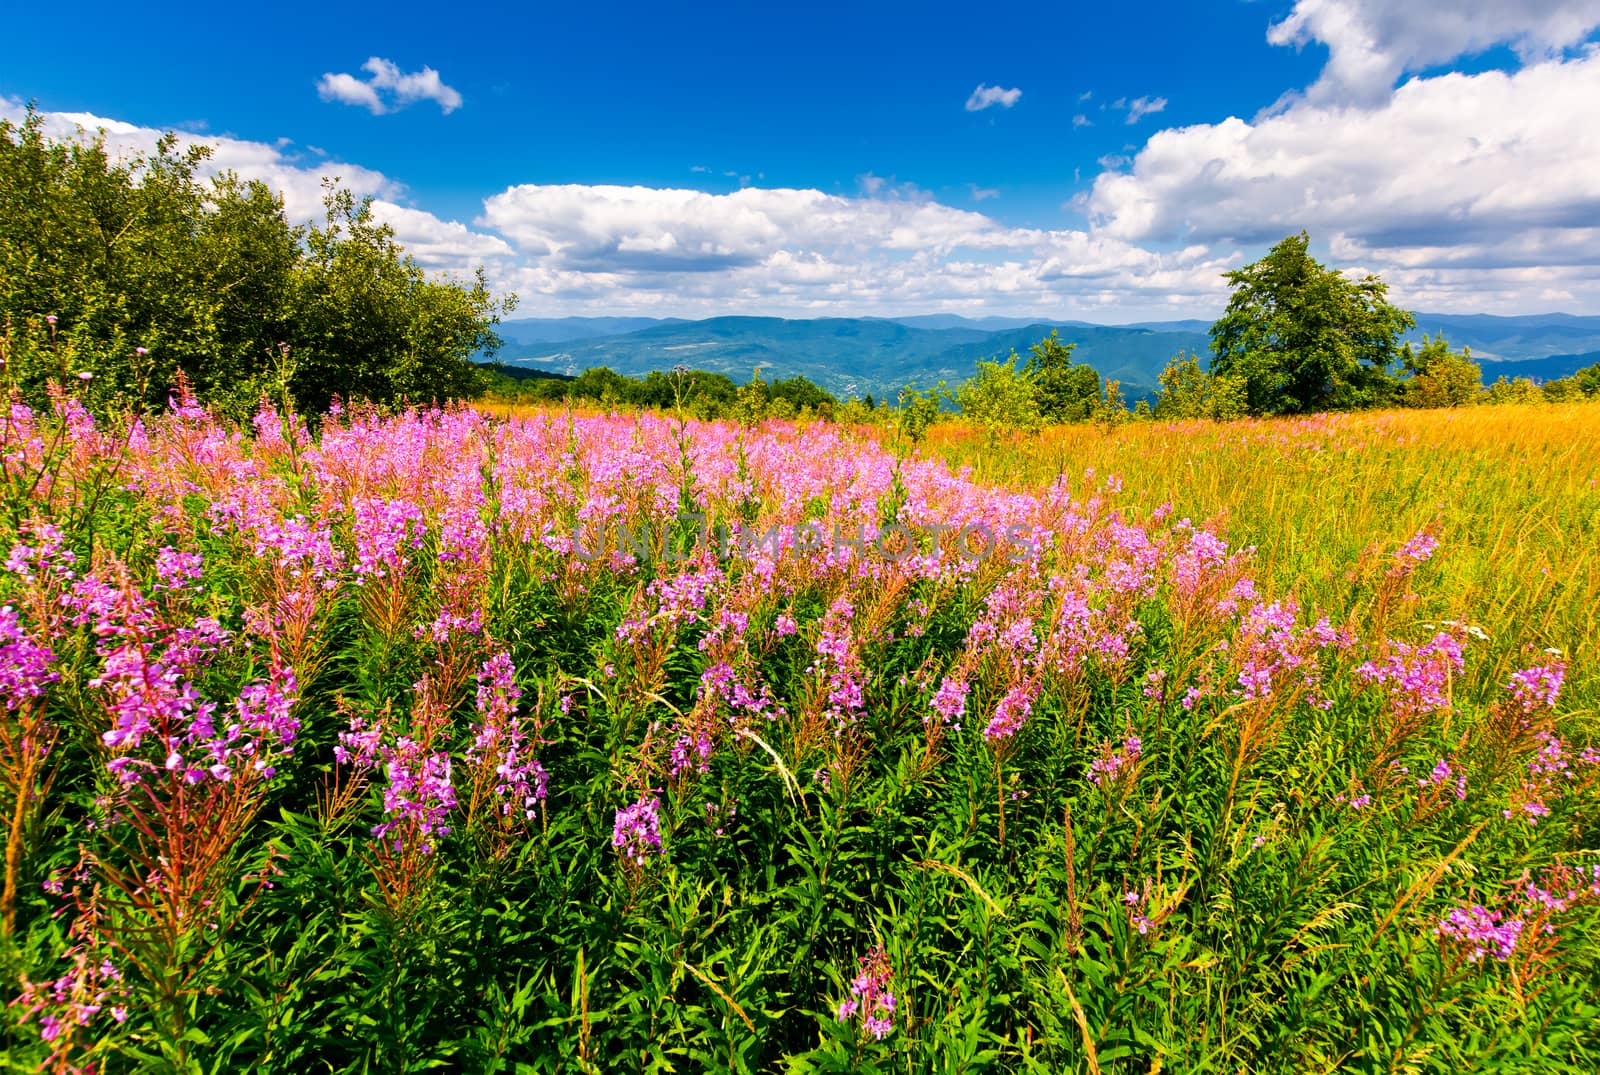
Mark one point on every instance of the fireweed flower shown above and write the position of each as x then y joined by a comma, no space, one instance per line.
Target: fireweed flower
950,701
385,532
1115,762
1482,932
1535,690
503,741
1134,902
870,997
1010,714
1418,549
92,988
1442,772
636,833
1417,679
24,663
419,796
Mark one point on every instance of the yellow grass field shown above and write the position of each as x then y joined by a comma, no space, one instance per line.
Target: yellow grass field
1511,492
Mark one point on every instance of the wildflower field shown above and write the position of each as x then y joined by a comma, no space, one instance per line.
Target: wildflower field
548,741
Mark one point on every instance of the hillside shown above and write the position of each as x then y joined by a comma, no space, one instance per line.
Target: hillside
879,355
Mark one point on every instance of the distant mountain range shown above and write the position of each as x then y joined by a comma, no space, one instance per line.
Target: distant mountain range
879,355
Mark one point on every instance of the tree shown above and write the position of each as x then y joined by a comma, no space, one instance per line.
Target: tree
1000,397
1185,390
1513,390
369,322
1306,338
919,409
1437,377
1066,391
133,270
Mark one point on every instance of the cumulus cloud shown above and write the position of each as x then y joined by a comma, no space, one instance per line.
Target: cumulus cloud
388,89
1371,43
1472,163
989,96
809,251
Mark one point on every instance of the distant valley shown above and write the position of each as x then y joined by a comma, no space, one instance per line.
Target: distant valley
858,356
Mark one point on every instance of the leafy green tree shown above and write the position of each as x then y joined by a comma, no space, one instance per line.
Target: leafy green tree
1438,377
1000,397
1185,390
1067,391
919,409
1583,384
1112,409
132,270
1513,390
750,404
1305,337
369,322
799,392
1230,397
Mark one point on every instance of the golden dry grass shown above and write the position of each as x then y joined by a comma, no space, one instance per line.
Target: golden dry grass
1512,493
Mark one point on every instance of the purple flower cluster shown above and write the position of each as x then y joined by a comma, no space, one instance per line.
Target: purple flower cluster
1115,761
502,740
1535,690
1010,714
385,530
870,997
1418,549
24,663
1442,772
76,998
636,833
419,796
950,700
1482,931
1417,678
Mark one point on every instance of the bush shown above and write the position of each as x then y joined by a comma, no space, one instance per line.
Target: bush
132,271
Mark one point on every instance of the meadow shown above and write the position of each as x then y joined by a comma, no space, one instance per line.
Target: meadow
559,741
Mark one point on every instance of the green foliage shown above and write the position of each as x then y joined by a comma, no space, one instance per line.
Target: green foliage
1438,377
1304,337
1066,391
1584,384
705,394
368,323
1001,397
147,270
919,409
1112,409
1513,390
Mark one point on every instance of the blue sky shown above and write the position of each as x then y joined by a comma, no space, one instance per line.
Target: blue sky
591,156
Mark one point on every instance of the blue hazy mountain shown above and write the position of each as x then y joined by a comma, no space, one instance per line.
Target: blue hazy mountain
533,330
879,355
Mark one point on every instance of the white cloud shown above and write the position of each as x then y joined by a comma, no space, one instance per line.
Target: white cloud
352,91
980,194
988,96
437,244
1449,161
388,89
805,251
1371,43
1140,107
1081,120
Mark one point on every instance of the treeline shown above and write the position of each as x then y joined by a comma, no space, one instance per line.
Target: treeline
698,392
121,274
